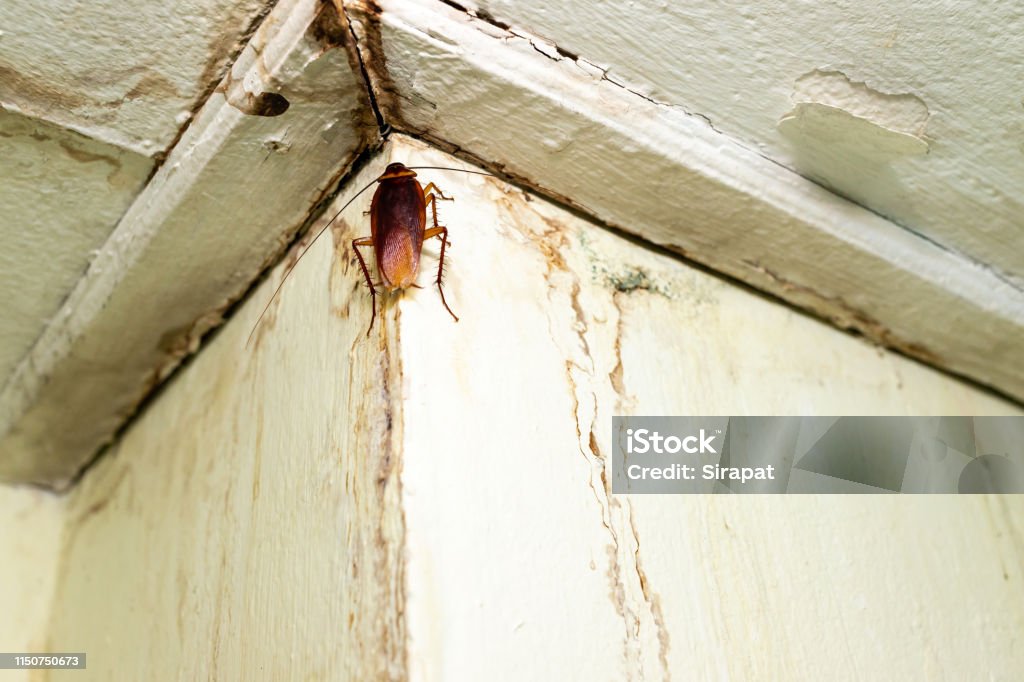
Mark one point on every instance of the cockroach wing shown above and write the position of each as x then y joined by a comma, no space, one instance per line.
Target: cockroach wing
397,219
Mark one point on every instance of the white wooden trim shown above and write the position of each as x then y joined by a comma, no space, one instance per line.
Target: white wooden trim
220,208
669,177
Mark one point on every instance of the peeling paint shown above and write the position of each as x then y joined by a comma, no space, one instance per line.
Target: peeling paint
849,118
813,123
902,111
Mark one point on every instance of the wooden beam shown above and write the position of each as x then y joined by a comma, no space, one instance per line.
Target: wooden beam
127,74
265,149
559,124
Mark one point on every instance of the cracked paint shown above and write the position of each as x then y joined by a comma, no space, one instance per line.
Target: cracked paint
901,111
632,597
504,33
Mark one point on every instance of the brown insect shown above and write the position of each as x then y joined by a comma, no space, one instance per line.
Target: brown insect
398,228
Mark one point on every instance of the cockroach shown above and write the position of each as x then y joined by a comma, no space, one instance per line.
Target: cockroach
398,228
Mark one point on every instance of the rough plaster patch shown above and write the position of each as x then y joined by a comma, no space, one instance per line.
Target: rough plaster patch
898,111
833,111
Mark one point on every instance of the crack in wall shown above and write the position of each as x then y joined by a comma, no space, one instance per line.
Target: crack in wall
634,601
653,600
370,12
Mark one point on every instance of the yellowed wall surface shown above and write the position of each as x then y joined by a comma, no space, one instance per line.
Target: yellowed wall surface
30,532
433,502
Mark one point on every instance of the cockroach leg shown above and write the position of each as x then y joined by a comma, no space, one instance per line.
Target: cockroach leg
356,243
431,193
431,188
442,234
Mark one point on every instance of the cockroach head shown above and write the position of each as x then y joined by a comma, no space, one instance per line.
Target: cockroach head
396,170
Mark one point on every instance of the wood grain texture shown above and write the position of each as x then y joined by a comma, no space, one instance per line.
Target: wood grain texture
433,503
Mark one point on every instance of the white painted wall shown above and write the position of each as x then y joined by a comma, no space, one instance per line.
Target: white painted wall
432,503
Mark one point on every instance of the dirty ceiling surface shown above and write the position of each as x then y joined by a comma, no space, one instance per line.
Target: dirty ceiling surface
126,133
133,144
914,110
91,94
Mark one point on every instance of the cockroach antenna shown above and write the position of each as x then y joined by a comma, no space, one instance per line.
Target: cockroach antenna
397,242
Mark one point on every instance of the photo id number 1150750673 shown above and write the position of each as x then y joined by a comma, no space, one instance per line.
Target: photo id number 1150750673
36,661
